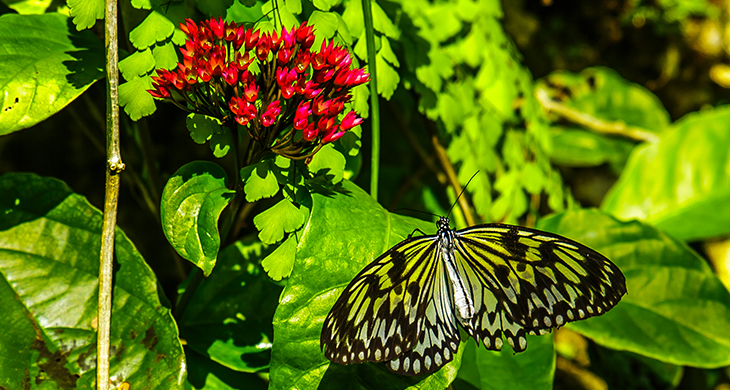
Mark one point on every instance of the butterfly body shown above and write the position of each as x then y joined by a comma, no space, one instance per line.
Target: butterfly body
493,280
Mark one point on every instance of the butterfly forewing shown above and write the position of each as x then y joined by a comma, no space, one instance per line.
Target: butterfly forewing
543,280
390,307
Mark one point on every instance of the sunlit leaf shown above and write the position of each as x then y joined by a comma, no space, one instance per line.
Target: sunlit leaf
49,263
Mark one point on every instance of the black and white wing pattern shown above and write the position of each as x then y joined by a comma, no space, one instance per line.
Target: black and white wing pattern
398,309
495,280
526,281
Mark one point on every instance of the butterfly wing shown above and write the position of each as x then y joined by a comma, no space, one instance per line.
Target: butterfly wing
531,281
397,309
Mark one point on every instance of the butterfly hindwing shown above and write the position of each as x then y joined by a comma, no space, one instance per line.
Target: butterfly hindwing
438,341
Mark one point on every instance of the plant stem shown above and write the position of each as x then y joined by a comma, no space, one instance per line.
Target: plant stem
619,128
114,168
374,107
451,175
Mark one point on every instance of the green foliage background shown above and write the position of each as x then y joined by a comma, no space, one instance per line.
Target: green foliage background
601,121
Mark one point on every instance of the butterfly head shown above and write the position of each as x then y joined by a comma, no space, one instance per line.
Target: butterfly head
443,224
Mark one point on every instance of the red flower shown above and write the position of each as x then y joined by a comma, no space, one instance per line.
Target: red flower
269,117
349,121
305,36
251,91
217,27
230,74
310,133
301,118
214,74
263,47
251,38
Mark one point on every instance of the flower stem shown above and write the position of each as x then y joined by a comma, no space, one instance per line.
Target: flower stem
374,107
590,122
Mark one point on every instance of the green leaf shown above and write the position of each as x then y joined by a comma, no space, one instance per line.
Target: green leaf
360,100
30,7
43,68
324,5
192,202
137,64
284,17
388,78
604,94
155,28
165,55
135,99
387,52
581,148
354,18
222,326
346,231
532,369
680,184
49,262
85,12
383,24
294,6
260,180
532,178
325,23
281,218
206,374
202,127
281,261
220,143
328,162
676,310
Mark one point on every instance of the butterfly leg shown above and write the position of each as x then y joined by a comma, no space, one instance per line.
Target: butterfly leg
414,232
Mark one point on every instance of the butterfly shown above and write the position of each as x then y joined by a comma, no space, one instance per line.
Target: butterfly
404,308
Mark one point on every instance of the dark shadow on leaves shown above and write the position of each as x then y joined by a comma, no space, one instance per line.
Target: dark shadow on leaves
200,368
89,58
25,197
198,168
365,375
322,184
237,303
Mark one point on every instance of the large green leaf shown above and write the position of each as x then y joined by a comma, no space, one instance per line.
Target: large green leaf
579,148
676,310
43,67
604,94
49,263
346,231
192,202
533,369
681,184
229,318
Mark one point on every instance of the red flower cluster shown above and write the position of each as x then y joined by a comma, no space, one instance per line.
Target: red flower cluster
272,84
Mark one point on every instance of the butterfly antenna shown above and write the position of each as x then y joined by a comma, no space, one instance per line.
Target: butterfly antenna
462,193
416,211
